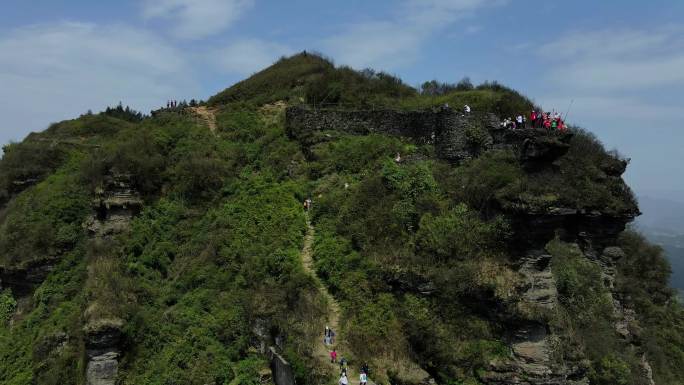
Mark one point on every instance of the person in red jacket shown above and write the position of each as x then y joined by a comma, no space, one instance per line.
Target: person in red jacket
333,356
533,118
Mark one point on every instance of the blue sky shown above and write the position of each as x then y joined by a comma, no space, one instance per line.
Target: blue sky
621,61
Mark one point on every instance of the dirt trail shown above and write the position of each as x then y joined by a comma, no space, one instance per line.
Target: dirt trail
207,115
322,352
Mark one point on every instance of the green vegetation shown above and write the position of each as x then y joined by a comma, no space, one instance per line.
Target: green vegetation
644,282
419,254
45,221
7,306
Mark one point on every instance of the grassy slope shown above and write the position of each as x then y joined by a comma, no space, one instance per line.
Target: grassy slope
215,248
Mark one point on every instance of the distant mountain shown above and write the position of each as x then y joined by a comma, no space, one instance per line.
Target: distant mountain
662,222
661,214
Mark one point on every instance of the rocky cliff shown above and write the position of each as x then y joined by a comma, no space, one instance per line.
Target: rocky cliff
116,202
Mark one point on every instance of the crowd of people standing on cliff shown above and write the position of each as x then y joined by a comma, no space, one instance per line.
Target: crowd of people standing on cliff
550,121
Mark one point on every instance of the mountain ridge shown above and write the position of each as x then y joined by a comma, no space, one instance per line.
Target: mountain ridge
165,249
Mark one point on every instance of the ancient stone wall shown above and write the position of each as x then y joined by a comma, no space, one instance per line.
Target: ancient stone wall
443,127
455,136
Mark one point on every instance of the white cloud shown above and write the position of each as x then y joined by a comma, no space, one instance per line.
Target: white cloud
397,40
244,57
626,86
610,60
196,18
54,72
376,44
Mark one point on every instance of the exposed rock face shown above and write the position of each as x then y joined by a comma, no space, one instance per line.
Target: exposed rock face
116,203
531,342
537,148
281,369
626,322
102,341
24,279
533,229
102,369
540,284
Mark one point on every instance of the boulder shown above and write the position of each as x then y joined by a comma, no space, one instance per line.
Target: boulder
614,166
613,253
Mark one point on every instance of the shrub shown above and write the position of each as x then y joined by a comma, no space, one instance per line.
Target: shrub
198,175
579,283
24,164
610,370
7,306
45,221
458,234
488,181
349,88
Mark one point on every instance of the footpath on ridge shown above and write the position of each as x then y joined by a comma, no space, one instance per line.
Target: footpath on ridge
207,116
322,352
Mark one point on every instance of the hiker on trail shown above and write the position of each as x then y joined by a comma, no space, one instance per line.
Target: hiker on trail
343,365
327,335
332,336
343,379
333,356
554,124
466,108
533,118
363,378
519,122
364,368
